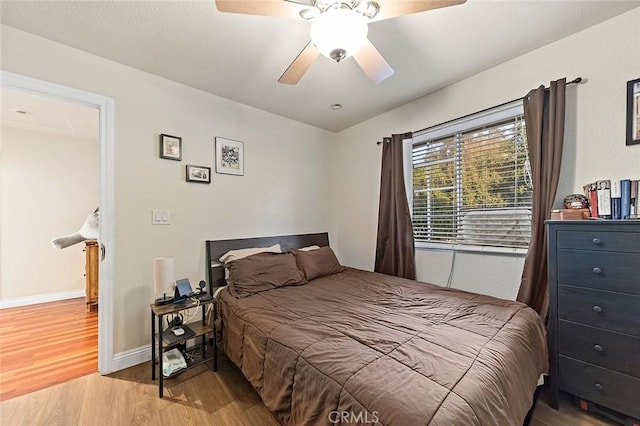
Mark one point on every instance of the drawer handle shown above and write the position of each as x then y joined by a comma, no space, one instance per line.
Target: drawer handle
596,241
598,348
598,387
597,309
597,270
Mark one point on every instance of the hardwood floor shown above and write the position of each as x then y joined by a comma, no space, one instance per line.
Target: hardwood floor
198,397
567,415
46,344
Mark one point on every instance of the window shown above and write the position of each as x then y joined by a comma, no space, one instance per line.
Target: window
472,181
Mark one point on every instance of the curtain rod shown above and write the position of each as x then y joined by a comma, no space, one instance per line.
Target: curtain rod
576,80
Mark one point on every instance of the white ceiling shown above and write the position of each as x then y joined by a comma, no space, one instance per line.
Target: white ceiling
38,113
240,57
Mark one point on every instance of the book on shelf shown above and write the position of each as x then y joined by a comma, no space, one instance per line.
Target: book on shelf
604,198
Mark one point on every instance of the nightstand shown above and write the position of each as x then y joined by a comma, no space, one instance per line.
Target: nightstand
161,343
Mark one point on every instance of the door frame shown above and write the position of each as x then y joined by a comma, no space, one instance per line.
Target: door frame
106,108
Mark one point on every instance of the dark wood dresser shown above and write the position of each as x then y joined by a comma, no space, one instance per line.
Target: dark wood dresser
594,312
91,273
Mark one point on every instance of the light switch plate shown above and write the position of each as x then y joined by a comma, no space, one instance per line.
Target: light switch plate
160,217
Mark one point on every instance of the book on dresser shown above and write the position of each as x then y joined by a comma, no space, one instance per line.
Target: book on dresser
591,192
625,198
634,198
616,200
594,315
604,199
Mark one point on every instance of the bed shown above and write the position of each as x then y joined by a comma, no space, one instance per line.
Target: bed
357,347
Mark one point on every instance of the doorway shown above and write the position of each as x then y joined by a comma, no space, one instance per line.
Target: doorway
106,173
48,181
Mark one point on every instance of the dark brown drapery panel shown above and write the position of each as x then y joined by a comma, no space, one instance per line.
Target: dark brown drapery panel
544,112
395,250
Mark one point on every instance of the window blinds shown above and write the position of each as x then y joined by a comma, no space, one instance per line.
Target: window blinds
474,186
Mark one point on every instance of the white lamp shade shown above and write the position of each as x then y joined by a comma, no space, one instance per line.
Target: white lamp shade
342,29
164,277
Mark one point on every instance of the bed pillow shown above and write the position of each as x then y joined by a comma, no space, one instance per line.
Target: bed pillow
232,255
262,272
318,263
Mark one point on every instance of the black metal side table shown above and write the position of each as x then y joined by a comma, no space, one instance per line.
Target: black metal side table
164,340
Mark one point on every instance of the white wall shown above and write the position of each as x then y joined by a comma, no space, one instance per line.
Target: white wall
49,184
606,56
283,191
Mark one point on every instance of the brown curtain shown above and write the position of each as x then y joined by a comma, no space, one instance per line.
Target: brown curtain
544,118
395,248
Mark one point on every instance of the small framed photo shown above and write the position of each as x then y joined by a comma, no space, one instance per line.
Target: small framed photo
229,157
633,112
170,147
199,174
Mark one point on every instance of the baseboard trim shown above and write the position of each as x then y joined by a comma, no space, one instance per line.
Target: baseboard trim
40,298
130,358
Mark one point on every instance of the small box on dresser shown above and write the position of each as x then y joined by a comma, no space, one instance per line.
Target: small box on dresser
594,313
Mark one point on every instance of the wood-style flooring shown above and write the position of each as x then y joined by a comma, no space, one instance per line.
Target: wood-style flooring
46,344
197,397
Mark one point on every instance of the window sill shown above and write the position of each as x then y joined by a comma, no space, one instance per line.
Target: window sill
508,251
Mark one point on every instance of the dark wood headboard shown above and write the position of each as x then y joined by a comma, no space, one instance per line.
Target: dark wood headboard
216,248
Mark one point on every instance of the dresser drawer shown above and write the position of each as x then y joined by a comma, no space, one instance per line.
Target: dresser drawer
599,240
603,309
601,270
614,390
607,349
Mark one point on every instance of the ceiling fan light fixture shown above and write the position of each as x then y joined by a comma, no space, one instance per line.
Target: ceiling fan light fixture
338,33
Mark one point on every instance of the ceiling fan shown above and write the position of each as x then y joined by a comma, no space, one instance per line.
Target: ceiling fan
338,28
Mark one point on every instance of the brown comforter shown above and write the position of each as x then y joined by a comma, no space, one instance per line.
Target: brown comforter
362,347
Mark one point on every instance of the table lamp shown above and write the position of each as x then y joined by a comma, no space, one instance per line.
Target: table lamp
164,279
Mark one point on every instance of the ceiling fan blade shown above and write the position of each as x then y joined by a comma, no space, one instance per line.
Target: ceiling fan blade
280,8
372,63
300,65
393,8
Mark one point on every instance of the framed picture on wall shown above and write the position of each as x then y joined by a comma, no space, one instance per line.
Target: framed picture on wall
170,147
229,157
199,174
633,112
